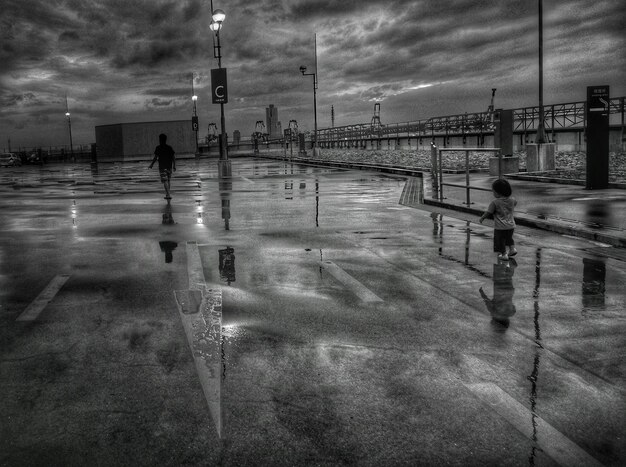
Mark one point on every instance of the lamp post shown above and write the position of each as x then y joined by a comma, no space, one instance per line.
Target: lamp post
69,123
194,118
218,17
303,71
314,75
541,132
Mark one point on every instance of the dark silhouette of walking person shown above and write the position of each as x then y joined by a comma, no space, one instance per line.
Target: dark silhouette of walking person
167,163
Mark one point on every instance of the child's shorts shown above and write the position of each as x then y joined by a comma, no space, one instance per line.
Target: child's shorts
502,239
165,174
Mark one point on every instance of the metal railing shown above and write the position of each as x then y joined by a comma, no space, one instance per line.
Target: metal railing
563,116
438,183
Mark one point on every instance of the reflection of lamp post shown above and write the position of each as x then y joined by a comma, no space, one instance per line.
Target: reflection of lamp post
541,132
218,17
194,119
69,123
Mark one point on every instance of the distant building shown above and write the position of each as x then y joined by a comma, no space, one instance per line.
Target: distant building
136,141
236,137
274,128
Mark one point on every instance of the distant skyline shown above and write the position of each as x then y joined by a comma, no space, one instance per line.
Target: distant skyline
132,61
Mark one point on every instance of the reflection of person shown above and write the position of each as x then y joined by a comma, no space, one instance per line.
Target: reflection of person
167,163
168,218
501,305
501,208
167,248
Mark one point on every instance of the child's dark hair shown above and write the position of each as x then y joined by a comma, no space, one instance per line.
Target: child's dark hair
502,187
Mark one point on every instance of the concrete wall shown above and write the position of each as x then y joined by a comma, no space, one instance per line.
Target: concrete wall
109,142
572,140
136,141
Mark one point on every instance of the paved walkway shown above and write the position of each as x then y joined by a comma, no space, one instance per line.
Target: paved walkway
569,209
295,315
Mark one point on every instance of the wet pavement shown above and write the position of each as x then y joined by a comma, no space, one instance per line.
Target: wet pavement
571,209
283,314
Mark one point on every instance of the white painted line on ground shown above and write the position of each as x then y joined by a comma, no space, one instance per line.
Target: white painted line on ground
194,267
365,294
245,179
554,443
200,311
39,304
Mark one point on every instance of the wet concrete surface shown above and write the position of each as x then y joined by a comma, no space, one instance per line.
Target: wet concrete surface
292,315
599,209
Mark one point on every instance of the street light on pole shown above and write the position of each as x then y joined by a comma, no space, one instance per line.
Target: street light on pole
303,71
194,118
69,123
314,75
219,88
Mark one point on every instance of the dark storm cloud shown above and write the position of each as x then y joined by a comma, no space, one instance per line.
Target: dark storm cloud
20,100
156,102
309,10
132,59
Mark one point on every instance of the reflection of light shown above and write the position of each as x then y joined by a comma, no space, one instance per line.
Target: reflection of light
74,213
234,330
200,211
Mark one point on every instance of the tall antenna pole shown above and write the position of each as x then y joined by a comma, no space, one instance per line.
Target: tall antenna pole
315,93
541,132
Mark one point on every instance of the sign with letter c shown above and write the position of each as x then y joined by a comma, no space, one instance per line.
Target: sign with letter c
219,87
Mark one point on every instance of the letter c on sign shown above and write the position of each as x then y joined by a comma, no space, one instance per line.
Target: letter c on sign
219,91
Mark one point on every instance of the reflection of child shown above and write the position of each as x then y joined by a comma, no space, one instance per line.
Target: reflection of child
501,305
501,208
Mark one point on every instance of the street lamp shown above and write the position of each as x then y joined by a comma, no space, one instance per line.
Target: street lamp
304,73
69,123
218,17
194,118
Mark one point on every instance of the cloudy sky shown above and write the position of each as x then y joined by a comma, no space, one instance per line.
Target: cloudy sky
132,60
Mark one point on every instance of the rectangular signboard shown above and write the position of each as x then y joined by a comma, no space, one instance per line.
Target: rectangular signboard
598,98
219,88
194,123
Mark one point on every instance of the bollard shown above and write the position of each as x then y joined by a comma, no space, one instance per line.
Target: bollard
433,168
467,179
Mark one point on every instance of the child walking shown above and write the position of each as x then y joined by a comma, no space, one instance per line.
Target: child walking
501,208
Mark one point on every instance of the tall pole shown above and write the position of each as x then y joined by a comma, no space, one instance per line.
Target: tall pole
194,98
69,123
218,55
224,146
314,75
541,132
315,95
